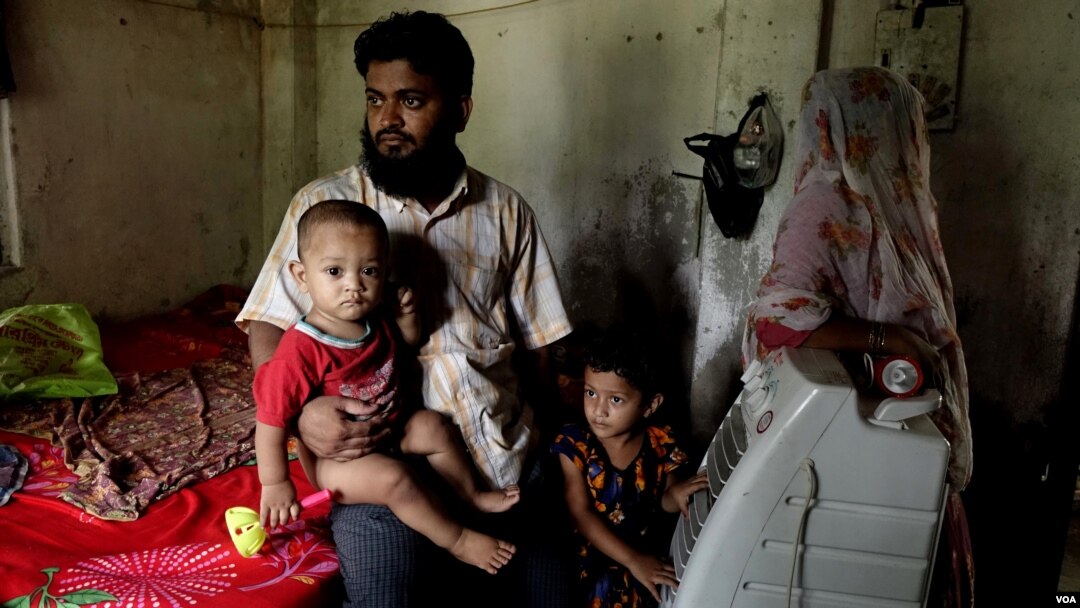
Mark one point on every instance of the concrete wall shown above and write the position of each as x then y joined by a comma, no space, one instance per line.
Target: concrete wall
770,46
136,151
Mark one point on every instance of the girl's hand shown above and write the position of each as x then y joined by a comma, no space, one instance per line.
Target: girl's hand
678,494
278,505
651,571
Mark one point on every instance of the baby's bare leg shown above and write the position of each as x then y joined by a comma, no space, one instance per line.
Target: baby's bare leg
430,434
382,480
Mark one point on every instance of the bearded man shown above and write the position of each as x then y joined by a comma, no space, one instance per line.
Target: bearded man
472,250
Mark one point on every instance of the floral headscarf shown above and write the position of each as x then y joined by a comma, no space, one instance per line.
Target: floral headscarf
861,234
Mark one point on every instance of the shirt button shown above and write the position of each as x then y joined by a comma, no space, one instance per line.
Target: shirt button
461,396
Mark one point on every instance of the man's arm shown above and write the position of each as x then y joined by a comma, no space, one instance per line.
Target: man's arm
407,318
324,424
536,302
263,339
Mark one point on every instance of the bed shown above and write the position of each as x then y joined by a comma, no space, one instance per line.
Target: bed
123,499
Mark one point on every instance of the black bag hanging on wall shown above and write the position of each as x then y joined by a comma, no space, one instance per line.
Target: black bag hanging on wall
759,140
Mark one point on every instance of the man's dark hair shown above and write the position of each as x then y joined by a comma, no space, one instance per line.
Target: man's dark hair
341,213
430,44
626,353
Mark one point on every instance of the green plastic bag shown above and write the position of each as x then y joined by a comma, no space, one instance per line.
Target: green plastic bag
50,351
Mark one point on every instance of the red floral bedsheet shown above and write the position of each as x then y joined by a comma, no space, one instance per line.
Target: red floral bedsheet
178,552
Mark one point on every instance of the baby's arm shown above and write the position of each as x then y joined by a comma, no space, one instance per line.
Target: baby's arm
407,319
278,502
650,570
677,494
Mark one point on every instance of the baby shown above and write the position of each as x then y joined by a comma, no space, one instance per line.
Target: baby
348,345
618,472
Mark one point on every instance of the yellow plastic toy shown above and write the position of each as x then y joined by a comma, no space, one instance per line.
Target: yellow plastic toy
243,523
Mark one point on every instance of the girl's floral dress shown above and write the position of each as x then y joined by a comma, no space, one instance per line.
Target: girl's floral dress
627,499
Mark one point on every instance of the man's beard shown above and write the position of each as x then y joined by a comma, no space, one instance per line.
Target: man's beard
431,170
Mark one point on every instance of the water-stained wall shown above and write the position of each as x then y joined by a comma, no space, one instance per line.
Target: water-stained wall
770,47
135,151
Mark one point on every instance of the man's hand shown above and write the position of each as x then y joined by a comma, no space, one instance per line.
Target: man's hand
326,429
407,319
406,301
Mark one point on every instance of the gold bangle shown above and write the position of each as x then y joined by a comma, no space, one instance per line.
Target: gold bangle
876,340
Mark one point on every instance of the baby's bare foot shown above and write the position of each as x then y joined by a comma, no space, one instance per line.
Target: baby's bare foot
482,551
497,501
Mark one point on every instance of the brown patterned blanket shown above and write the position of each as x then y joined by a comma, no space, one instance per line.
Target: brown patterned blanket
184,410
161,431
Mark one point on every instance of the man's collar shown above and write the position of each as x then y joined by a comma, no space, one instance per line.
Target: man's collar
457,194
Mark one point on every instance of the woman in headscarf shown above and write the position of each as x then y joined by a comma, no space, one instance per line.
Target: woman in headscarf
858,264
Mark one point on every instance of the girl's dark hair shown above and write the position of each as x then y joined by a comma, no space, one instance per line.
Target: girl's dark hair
628,354
430,44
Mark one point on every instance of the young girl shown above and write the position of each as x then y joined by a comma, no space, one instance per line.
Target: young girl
618,472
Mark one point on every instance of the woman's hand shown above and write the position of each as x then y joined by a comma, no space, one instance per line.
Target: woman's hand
900,340
651,571
847,334
278,505
327,430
